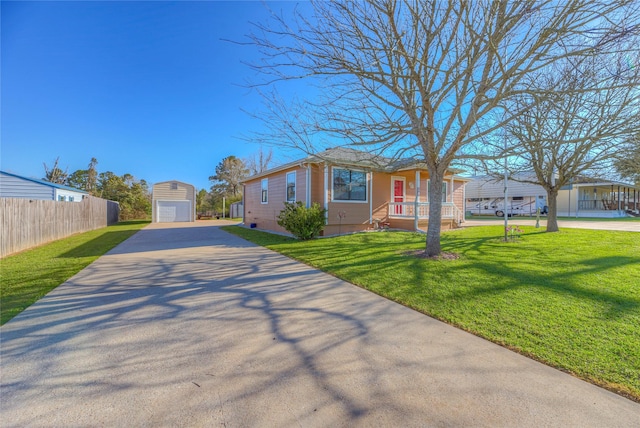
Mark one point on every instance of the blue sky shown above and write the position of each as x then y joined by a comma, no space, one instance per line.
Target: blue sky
147,88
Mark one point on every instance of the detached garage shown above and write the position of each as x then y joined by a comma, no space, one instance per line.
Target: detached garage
173,201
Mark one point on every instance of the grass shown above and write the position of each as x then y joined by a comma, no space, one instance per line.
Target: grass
27,276
570,299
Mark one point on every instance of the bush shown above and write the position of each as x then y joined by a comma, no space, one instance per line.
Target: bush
302,222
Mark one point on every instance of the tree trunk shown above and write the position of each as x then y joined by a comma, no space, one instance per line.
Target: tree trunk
435,215
552,215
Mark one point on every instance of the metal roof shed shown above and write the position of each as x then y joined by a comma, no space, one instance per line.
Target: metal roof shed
173,201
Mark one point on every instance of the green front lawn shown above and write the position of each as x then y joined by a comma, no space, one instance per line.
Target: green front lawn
570,299
544,218
27,276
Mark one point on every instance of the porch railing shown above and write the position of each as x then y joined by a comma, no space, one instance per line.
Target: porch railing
407,210
599,205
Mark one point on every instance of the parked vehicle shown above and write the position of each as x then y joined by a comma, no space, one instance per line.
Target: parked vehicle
516,205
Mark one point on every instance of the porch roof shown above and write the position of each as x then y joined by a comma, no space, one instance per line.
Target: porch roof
600,184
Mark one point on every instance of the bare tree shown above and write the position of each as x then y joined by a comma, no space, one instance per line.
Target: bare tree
582,113
260,161
418,79
55,174
627,162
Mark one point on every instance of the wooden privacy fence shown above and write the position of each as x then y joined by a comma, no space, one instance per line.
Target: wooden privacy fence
25,223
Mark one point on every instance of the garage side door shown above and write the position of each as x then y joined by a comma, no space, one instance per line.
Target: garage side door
170,211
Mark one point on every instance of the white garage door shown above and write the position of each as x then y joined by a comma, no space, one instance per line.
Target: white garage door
170,211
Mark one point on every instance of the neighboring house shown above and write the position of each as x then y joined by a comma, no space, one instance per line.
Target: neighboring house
173,201
359,190
599,198
485,196
16,186
583,198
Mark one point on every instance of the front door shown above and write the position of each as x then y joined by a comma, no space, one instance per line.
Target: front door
398,192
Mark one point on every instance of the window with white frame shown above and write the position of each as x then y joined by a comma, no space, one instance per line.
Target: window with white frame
349,185
265,190
291,186
444,190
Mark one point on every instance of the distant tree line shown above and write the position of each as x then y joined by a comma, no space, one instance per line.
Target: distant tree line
132,194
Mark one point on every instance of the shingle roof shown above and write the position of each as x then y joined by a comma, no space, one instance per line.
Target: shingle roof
348,156
351,157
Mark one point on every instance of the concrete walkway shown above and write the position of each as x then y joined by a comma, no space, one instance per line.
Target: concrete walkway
188,326
627,226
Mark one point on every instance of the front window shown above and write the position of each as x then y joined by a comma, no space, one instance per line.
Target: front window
265,190
349,185
444,190
291,186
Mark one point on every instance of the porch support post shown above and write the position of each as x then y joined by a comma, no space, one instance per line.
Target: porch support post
618,198
416,205
308,178
326,193
370,197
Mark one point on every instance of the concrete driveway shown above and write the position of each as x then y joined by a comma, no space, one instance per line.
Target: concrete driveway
186,325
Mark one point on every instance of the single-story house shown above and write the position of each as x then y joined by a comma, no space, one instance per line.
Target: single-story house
173,201
598,198
17,186
360,191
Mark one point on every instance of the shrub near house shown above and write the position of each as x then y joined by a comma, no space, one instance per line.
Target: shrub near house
303,223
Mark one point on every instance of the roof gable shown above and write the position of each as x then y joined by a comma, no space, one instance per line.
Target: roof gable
174,181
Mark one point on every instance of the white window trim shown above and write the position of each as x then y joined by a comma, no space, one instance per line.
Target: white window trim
344,201
264,186
286,188
446,191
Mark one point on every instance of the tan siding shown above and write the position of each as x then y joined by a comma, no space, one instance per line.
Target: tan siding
381,192
301,183
317,184
354,213
162,192
265,215
458,194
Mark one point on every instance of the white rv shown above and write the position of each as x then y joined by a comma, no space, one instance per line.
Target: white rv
485,196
